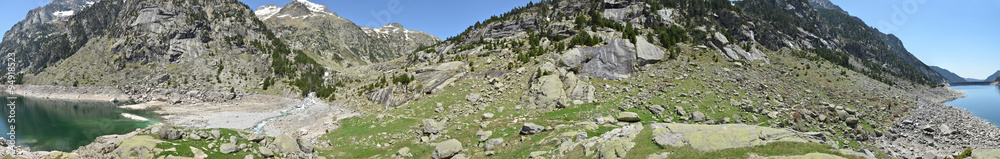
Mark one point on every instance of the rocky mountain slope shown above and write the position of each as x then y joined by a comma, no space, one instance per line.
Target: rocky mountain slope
606,79
589,69
168,44
336,41
41,38
799,25
993,77
952,77
215,45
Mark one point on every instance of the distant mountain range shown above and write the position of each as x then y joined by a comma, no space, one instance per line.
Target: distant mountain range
335,41
951,76
993,77
954,78
217,45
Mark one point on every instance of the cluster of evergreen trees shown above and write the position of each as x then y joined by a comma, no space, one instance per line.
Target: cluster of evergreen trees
303,71
585,39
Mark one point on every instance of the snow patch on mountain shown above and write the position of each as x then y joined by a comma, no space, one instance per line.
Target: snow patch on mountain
387,31
314,7
64,13
267,11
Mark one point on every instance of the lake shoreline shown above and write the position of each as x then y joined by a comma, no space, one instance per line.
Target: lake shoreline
201,110
981,100
934,129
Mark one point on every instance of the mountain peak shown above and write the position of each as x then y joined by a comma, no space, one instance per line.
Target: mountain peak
294,9
266,11
57,9
313,7
994,77
825,4
393,25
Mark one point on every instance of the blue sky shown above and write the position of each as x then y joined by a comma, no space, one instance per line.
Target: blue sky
960,36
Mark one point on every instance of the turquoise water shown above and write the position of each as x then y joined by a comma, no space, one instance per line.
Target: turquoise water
65,125
982,100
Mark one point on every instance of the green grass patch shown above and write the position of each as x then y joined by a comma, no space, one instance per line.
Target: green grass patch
772,149
599,131
576,113
183,146
644,145
360,137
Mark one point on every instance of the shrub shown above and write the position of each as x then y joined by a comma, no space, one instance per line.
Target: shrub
965,154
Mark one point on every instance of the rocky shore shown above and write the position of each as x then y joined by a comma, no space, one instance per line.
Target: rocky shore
936,130
302,119
128,94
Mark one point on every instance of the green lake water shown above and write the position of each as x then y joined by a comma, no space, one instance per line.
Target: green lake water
65,125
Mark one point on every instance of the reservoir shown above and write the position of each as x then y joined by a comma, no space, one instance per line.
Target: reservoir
65,125
982,101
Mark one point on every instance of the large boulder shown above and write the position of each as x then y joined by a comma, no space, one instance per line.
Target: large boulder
945,129
656,110
578,90
447,149
852,121
572,58
842,114
136,147
492,143
613,61
253,137
228,148
647,53
483,135
168,133
628,117
663,137
265,152
680,111
548,90
720,40
285,144
434,127
531,128
473,97
698,116
305,146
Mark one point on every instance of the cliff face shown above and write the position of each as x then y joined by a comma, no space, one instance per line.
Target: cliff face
337,41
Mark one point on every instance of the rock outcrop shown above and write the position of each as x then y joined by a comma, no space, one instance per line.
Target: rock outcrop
612,61
447,149
647,53
549,90
718,137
